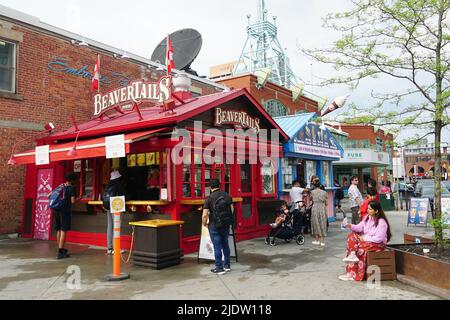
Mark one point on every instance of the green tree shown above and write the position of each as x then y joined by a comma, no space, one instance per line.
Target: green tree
407,40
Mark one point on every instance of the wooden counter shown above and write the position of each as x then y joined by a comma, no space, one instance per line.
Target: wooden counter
202,201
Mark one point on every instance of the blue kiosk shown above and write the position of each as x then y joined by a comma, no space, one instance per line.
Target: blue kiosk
311,150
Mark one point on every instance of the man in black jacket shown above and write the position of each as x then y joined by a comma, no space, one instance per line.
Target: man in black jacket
114,188
219,225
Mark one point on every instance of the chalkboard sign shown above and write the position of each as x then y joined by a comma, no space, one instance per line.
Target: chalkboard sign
418,211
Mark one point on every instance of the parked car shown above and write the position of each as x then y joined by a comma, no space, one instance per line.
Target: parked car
429,183
404,189
428,192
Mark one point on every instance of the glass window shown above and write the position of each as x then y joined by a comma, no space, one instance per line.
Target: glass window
286,169
7,66
311,170
275,108
268,181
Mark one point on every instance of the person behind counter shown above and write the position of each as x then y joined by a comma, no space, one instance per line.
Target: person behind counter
114,188
153,183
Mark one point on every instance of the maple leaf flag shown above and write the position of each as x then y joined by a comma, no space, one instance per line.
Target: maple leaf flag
169,57
96,78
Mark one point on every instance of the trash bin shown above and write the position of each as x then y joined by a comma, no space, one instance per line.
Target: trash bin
387,201
157,243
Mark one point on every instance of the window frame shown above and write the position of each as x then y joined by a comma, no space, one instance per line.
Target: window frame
13,67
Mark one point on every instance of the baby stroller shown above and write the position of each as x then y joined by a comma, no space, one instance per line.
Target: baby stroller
290,229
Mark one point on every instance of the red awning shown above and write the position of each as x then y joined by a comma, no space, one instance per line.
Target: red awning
90,148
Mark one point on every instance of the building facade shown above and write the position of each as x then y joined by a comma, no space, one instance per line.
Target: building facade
45,76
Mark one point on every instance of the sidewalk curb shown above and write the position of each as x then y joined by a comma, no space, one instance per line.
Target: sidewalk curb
445,294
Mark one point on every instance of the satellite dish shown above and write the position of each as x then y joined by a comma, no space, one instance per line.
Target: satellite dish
186,46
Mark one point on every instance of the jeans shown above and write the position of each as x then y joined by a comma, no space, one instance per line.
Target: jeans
219,238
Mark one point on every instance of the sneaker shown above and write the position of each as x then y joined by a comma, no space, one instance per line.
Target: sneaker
218,271
316,242
346,277
352,258
109,251
227,268
322,244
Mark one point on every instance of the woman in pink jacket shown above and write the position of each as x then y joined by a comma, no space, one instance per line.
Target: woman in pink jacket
371,234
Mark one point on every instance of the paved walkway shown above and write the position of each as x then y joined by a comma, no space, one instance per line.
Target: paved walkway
29,270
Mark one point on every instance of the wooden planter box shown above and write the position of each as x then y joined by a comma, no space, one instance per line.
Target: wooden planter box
423,269
412,239
385,260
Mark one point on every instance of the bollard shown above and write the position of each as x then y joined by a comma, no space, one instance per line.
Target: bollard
117,206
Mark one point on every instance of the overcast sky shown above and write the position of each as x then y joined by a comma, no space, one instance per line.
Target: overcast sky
137,26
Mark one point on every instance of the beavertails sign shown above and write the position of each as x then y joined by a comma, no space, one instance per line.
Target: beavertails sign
137,91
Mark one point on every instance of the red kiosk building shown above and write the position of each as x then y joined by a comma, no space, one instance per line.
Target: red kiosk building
148,138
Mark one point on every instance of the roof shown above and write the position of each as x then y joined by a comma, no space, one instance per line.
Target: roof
6,12
293,123
154,117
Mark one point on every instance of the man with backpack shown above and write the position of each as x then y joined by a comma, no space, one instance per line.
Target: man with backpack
218,216
61,200
114,188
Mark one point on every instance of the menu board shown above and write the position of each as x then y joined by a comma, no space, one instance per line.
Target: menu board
445,207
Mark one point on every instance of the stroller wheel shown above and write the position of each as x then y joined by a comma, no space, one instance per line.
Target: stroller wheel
288,240
300,240
272,242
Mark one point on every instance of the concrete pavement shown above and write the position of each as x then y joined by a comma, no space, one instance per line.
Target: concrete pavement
29,270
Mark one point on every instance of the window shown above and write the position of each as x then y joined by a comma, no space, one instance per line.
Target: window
326,173
275,108
268,181
7,66
87,179
286,169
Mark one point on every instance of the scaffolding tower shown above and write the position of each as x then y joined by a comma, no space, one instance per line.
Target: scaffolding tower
262,50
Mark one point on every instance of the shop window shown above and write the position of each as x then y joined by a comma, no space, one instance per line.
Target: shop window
86,178
246,182
311,170
268,179
287,173
326,173
275,108
7,66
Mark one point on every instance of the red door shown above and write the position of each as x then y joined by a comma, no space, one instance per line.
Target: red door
247,191
43,214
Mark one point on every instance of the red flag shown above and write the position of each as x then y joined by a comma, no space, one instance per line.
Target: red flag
96,78
169,57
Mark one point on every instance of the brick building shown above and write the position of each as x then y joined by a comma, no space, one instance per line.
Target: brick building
45,76
277,100
420,160
368,153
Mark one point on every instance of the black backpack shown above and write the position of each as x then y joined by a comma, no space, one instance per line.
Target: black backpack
222,212
339,194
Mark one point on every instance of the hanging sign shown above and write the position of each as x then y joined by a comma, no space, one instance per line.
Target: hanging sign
206,249
137,91
239,119
115,146
418,211
42,155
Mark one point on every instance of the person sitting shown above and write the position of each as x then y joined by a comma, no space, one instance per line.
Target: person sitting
371,196
371,234
284,211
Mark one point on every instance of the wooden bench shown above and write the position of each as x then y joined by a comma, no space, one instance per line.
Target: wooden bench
385,260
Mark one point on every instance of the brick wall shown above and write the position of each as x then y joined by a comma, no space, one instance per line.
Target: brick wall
45,96
271,91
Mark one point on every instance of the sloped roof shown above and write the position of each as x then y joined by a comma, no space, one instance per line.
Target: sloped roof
154,117
293,123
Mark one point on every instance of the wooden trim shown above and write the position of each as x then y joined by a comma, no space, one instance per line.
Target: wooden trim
202,201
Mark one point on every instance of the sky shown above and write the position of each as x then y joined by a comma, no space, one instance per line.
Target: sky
137,26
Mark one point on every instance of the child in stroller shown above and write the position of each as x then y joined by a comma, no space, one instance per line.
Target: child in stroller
288,225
